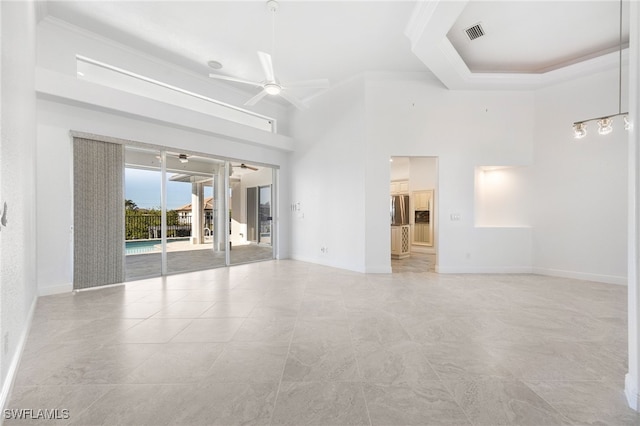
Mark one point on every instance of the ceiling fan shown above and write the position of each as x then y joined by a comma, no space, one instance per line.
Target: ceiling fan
244,166
271,85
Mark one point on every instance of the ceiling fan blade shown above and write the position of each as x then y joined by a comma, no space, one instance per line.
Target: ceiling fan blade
244,166
256,98
321,83
236,80
292,99
267,66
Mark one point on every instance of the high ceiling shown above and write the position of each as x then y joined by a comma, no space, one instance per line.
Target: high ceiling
537,36
338,39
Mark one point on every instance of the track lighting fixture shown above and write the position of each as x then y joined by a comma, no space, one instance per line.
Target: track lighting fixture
580,130
605,124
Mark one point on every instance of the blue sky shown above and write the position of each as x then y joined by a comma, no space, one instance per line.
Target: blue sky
143,187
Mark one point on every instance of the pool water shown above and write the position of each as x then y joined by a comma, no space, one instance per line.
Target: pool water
147,246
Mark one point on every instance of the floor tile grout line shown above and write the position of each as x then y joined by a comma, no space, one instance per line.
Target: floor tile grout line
560,412
284,364
444,384
355,356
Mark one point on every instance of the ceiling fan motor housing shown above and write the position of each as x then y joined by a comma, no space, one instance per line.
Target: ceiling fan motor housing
272,5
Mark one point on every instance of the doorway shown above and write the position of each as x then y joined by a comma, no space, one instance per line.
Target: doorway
414,236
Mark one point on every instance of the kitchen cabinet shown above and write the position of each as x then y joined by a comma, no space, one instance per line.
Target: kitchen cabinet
400,241
422,200
400,187
422,217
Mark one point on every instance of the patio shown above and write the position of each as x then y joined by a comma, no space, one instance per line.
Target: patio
185,257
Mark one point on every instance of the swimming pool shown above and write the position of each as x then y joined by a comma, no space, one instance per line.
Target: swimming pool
147,246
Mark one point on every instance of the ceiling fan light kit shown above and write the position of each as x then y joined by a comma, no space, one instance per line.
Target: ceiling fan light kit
271,85
272,88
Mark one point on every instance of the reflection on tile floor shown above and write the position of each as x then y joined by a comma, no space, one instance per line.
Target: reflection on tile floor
146,265
286,342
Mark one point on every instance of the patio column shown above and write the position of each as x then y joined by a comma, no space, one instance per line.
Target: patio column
197,213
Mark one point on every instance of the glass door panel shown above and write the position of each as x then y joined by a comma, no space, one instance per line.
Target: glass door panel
191,211
264,215
143,245
250,213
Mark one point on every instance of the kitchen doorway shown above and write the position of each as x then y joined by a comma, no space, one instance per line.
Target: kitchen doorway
413,213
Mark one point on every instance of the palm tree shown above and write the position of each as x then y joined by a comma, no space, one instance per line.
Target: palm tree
130,205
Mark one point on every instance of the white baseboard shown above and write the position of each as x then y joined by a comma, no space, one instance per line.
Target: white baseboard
327,262
483,269
55,289
17,355
379,269
607,279
631,392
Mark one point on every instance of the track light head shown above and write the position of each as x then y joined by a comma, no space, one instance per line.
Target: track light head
579,130
605,126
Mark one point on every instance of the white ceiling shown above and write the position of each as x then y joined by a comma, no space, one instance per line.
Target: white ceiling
338,39
537,36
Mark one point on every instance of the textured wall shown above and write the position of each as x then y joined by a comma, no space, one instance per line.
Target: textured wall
17,182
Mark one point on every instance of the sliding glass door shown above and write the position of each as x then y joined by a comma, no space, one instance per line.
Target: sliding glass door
193,213
251,213
264,215
188,212
143,213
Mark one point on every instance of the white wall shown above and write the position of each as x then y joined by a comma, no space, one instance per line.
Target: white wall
580,185
400,168
60,42
54,177
504,197
112,113
414,115
423,173
17,183
329,169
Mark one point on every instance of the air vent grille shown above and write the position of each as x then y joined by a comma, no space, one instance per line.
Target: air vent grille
474,32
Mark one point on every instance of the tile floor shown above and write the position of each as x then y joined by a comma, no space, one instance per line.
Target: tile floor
292,343
139,266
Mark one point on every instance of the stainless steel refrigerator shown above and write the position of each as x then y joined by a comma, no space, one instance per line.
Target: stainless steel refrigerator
399,210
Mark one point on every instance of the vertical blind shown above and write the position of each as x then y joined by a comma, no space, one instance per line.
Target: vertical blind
98,176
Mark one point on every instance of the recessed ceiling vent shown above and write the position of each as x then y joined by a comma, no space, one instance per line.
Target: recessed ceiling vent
474,32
